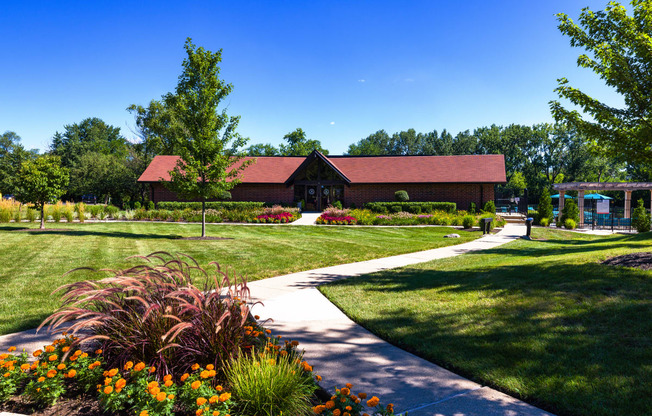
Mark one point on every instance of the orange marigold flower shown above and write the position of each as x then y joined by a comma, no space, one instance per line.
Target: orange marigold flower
268,331
120,384
98,352
346,414
37,353
53,357
217,413
362,395
128,365
194,367
41,379
348,408
154,391
49,349
12,349
65,349
204,374
224,397
73,358
167,377
213,399
195,384
168,383
113,372
294,343
24,367
144,413
72,373
51,373
390,408
218,388
373,402
152,384
343,400
201,401
161,396
84,355
7,375
199,412
78,353
152,369
337,412
61,366
184,377
284,353
170,396
330,404
139,366
319,409
349,385
211,373
108,381
108,390
345,391
210,367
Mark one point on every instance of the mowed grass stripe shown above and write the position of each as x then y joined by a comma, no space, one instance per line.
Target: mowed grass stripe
32,263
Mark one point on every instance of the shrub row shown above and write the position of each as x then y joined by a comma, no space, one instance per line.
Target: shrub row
411,207
217,205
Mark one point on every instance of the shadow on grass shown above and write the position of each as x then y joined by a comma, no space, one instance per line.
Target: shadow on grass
575,339
115,234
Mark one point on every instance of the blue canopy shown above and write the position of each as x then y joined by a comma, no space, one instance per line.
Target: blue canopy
566,196
596,196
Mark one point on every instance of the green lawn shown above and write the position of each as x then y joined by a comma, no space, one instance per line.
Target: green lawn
32,263
541,320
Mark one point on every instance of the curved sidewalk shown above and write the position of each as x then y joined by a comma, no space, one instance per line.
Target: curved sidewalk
343,352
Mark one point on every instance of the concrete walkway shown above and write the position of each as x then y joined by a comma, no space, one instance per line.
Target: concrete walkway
343,352
307,218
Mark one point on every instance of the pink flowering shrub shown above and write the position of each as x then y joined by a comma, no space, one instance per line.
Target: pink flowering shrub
327,219
283,217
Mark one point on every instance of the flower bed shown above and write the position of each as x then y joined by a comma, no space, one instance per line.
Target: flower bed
327,219
283,218
163,347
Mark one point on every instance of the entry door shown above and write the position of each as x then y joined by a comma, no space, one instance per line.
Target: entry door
312,198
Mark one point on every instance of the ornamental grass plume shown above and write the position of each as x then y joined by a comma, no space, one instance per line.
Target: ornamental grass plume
154,313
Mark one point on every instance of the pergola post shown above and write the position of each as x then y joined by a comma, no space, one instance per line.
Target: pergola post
628,204
580,206
562,198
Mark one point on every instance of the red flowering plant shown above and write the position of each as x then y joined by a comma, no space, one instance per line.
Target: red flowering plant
327,219
283,217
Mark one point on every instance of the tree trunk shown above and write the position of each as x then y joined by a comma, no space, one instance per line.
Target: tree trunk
43,217
203,218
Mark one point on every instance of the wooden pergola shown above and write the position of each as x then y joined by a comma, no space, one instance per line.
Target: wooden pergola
582,187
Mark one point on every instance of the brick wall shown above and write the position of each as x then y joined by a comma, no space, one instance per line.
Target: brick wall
461,194
242,192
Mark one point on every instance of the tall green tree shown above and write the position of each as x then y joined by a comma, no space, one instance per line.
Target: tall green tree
298,144
261,149
378,143
41,181
12,155
204,138
618,49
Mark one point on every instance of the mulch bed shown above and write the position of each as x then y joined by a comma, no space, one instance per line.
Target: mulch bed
642,260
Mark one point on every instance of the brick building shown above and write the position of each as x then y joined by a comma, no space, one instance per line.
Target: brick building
320,180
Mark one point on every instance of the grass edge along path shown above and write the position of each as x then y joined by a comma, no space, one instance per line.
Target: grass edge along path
543,320
32,262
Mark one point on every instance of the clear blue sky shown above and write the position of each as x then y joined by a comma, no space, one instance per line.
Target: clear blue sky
340,70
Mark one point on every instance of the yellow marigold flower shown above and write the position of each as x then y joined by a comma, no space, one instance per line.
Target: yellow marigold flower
41,379
337,412
48,349
12,349
72,373
373,402
144,413
108,390
224,397
345,391
184,377
139,366
213,399
120,384
61,366
330,404
129,365
52,357
194,367
24,367
37,353
195,384
201,401
161,396
51,373
362,395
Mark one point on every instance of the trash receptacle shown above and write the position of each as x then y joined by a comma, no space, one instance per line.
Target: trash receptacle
486,225
528,224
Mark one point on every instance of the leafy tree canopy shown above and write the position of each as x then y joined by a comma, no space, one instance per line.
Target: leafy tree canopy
12,155
41,181
299,145
261,149
619,50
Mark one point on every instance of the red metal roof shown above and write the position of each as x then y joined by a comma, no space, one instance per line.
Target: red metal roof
366,169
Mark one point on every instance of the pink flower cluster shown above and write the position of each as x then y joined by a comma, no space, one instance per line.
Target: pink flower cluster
274,218
327,219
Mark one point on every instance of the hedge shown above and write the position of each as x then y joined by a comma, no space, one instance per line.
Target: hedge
217,205
412,207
